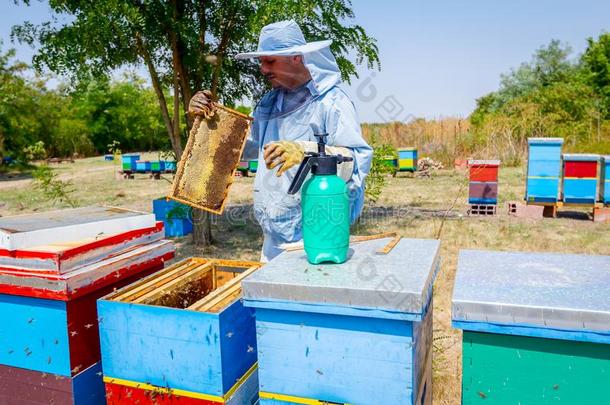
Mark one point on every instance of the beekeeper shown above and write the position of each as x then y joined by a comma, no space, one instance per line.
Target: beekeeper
305,100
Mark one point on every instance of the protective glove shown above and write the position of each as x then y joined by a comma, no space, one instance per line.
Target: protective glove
202,104
284,154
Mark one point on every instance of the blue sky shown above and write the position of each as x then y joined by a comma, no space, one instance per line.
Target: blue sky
437,56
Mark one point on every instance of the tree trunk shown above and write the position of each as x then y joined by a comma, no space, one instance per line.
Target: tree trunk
154,78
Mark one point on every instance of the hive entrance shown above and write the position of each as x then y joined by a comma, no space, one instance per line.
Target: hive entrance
195,284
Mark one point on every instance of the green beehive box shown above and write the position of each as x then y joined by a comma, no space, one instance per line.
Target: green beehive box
536,327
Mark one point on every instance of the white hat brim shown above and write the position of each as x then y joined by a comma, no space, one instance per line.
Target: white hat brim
295,50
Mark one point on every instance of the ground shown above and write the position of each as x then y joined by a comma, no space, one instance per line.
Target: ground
414,207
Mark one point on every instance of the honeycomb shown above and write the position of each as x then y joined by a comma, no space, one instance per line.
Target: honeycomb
205,171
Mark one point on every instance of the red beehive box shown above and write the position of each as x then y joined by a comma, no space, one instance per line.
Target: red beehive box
484,170
580,169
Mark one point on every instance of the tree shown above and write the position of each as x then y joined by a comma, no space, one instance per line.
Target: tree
186,46
596,62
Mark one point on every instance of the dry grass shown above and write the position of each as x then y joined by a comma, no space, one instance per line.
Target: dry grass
444,139
414,207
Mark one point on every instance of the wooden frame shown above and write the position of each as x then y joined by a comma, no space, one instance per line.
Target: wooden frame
177,194
150,290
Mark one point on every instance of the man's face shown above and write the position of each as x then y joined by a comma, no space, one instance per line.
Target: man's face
281,71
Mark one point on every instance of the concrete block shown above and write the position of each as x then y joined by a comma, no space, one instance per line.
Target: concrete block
601,214
521,210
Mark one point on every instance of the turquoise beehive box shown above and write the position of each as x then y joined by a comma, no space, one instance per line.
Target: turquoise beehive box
543,170
359,332
536,327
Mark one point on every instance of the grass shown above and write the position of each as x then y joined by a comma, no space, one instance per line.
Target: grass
413,207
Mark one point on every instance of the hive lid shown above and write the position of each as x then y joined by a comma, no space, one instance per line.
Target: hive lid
545,140
537,290
585,157
399,282
25,231
484,162
407,148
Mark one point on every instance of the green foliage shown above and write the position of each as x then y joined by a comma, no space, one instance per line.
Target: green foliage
194,37
77,121
376,180
552,95
115,148
35,151
54,189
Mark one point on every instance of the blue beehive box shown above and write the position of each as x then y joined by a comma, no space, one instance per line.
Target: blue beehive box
176,216
407,159
580,178
604,190
108,157
543,169
358,332
170,166
183,330
128,162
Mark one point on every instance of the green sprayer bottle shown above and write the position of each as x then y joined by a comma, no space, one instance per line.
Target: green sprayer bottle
325,206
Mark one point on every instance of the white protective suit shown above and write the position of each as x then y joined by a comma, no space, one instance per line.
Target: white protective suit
328,110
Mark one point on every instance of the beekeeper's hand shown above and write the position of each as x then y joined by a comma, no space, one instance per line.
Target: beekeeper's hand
202,103
284,154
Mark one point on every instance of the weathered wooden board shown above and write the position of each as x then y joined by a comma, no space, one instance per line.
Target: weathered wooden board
26,231
87,278
63,257
205,171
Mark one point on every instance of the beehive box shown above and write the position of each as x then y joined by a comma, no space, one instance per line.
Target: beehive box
26,387
580,178
253,165
63,257
536,327
482,193
176,217
182,332
51,227
604,195
53,336
358,332
543,170
205,171
483,170
86,278
407,159
129,162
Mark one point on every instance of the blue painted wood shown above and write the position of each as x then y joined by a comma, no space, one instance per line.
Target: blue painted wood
335,358
164,207
533,331
490,201
332,309
546,190
177,348
580,191
407,154
605,180
88,386
544,160
544,148
544,168
238,346
34,334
